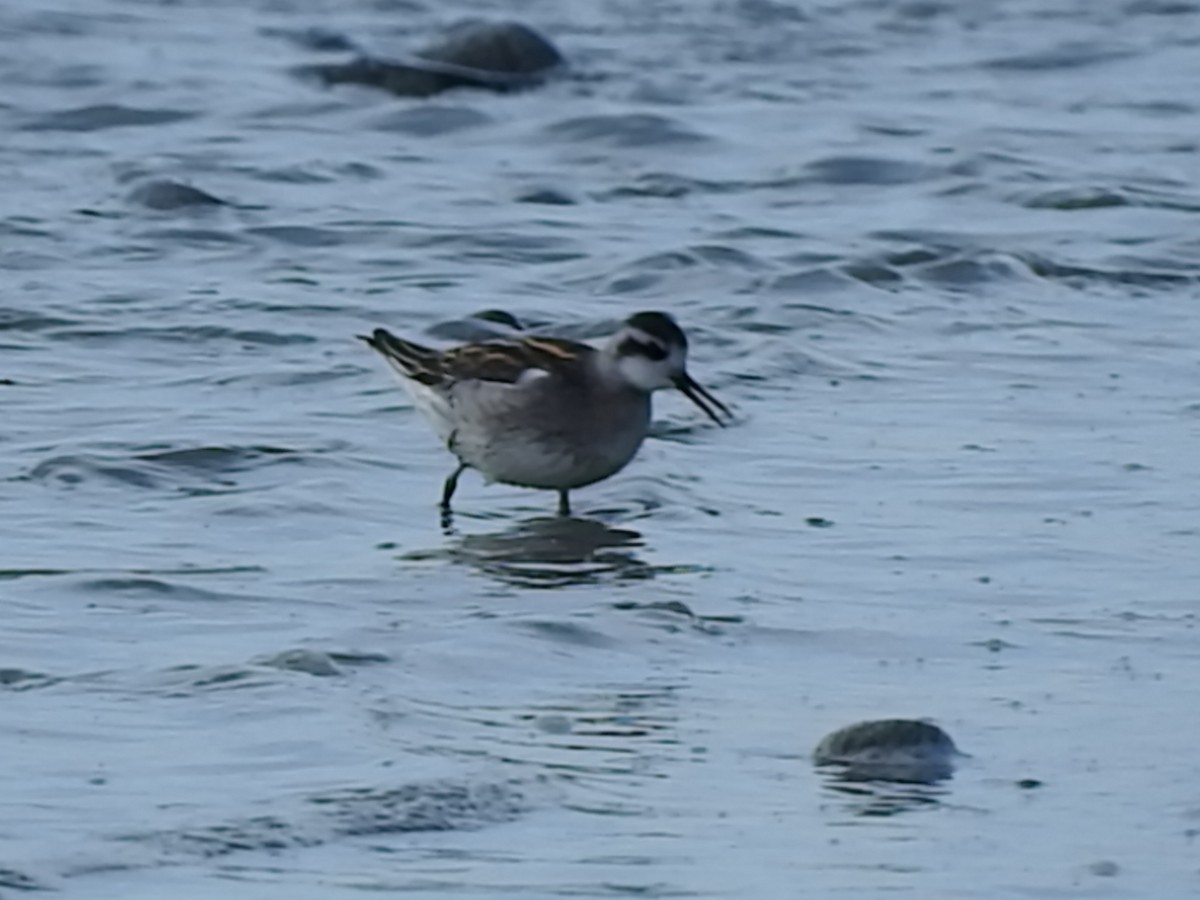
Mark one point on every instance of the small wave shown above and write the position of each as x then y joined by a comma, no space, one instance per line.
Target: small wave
166,195
1070,55
190,237
299,235
1131,272
872,272
547,195
27,320
319,39
668,186
874,171
1070,199
626,130
432,121
160,468
714,255
286,378
102,116
671,271
73,469
155,587
560,632
354,812
497,245
488,324
431,806
818,280
19,881
220,459
961,261
13,574
188,680
970,270
1161,8
184,334
23,680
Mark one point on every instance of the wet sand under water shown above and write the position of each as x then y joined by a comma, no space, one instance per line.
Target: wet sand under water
940,260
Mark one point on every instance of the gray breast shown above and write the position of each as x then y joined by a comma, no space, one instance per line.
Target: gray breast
550,434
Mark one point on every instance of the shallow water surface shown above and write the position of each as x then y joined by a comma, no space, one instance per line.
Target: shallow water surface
940,259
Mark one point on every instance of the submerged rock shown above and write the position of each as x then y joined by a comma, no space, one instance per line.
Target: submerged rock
498,56
909,750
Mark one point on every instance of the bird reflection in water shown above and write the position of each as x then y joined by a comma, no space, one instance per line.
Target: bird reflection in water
549,551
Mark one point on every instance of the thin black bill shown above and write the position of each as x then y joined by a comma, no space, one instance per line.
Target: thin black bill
702,398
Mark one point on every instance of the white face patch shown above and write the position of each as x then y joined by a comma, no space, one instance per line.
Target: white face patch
651,374
645,361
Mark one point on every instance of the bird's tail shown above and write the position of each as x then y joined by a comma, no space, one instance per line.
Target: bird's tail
411,360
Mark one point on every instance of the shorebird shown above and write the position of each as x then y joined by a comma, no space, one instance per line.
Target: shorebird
543,412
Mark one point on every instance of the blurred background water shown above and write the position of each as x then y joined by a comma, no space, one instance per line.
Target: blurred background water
941,258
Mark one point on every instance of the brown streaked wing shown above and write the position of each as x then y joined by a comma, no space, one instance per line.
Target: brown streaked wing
507,362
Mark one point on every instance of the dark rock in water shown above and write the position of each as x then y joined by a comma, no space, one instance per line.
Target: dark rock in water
908,750
167,195
498,56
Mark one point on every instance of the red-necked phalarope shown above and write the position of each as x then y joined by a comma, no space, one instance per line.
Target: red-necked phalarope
545,412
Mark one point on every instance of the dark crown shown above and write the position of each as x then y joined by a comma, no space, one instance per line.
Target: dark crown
659,325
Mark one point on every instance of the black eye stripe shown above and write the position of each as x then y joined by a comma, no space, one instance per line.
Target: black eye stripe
634,347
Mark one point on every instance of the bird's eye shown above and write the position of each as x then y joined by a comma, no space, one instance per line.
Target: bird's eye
654,352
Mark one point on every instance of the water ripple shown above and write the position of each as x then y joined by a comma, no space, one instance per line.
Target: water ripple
104,116
159,469
626,130
182,334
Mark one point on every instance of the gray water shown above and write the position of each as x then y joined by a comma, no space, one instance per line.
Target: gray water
942,259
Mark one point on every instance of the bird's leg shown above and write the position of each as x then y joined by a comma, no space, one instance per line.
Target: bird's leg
451,484
564,503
